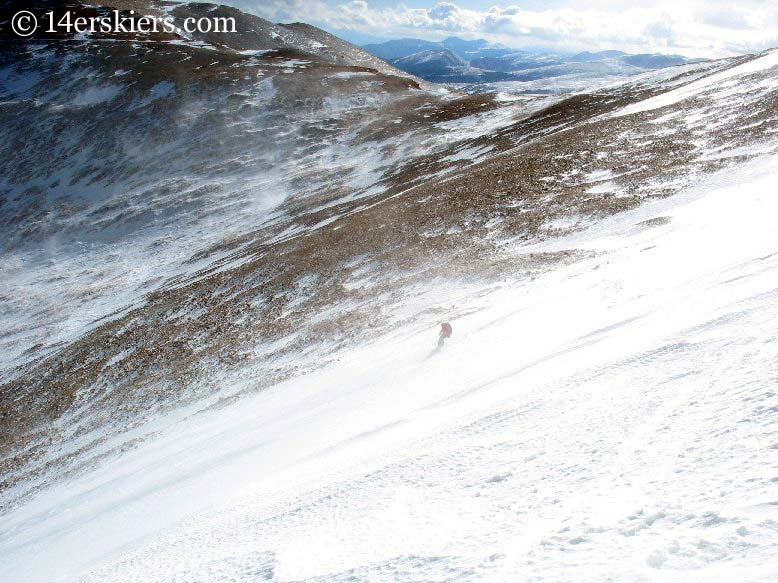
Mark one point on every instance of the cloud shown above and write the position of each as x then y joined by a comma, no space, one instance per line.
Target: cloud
662,31
690,27
443,11
728,18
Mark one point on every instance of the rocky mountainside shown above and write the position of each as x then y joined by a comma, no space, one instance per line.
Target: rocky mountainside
188,221
136,170
442,65
206,205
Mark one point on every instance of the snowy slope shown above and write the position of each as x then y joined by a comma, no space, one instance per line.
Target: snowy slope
222,266
611,419
727,83
124,175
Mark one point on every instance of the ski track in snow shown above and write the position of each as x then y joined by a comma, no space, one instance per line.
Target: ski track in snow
614,419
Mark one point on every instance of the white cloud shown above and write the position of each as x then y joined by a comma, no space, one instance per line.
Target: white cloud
729,18
690,27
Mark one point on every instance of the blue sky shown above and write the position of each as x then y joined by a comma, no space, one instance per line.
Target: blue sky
697,28
473,4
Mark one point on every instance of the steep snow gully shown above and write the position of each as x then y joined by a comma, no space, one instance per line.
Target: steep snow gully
612,419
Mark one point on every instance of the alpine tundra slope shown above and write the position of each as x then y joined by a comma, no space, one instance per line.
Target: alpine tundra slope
225,261
615,418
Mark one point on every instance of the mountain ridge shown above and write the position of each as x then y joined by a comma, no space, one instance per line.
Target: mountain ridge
484,62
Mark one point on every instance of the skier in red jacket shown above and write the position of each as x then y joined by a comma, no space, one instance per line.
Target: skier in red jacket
445,332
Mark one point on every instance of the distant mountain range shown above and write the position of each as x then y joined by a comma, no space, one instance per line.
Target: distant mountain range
455,60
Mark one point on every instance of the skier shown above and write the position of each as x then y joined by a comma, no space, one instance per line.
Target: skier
445,332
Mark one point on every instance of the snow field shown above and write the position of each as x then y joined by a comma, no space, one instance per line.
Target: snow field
725,82
611,419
